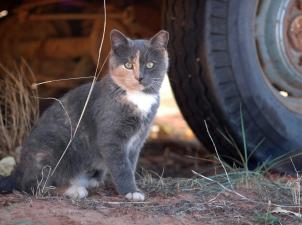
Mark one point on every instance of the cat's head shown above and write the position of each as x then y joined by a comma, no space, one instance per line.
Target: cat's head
139,65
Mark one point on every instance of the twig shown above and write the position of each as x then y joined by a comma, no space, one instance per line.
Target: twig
267,211
96,75
34,85
213,199
205,122
121,203
242,196
78,123
221,185
39,192
62,105
296,187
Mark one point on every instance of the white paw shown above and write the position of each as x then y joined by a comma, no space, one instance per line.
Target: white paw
76,192
135,196
93,183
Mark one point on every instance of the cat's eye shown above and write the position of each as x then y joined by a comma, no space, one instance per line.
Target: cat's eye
128,65
150,65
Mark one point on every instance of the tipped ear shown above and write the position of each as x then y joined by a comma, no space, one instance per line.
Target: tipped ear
160,40
117,38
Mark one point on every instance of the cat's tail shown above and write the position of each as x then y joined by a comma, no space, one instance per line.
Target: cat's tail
8,184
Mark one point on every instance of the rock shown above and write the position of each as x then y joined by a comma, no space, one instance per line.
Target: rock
7,165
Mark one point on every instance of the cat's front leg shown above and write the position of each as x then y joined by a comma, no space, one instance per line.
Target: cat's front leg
122,174
133,157
136,146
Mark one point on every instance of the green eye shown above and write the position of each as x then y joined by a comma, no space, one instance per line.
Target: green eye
128,65
150,65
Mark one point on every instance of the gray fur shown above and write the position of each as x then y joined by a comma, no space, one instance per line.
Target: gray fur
102,140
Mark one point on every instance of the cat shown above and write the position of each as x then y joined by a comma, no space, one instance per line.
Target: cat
112,131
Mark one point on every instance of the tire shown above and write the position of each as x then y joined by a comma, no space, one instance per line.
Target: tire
216,75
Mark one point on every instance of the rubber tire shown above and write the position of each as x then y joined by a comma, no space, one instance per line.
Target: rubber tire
216,76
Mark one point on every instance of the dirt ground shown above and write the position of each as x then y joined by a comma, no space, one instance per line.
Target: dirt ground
174,195
169,201
58,211
204,198
247,199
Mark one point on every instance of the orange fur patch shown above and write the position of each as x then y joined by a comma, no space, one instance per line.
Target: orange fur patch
128,79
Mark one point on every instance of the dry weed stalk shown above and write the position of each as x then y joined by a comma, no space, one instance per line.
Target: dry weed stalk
42,190
295,187
217,154
19,109
97,73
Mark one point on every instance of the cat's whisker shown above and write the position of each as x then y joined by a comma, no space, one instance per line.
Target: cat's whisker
156,82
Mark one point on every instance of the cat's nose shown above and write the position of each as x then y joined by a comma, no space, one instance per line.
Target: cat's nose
140,79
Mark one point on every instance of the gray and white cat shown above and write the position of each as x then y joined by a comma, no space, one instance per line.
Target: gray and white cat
112,131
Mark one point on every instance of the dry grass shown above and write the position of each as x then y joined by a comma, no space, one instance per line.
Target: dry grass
19,107
200,200
262,201
207,200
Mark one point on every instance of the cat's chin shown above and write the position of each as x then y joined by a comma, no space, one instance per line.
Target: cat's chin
150,90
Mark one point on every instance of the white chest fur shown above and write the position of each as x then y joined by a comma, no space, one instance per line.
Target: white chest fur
143,101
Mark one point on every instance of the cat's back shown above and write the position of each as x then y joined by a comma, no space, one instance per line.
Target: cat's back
73,102
65,112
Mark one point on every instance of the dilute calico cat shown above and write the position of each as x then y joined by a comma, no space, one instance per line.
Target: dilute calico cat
112,131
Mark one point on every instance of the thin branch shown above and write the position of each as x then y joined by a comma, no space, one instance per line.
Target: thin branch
96,75
221,185
205,122
66,112
34,85
240,195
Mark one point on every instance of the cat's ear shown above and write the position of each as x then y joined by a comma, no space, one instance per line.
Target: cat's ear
117,39
160,40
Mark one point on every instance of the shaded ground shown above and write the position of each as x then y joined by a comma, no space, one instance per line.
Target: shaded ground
169,201
204,198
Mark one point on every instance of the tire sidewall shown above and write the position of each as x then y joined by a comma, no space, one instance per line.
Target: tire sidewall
278,124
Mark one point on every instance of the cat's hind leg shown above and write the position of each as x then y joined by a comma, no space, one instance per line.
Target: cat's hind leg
78,187
135,196
76,192
96,177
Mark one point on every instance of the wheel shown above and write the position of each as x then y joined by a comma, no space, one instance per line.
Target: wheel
231,65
